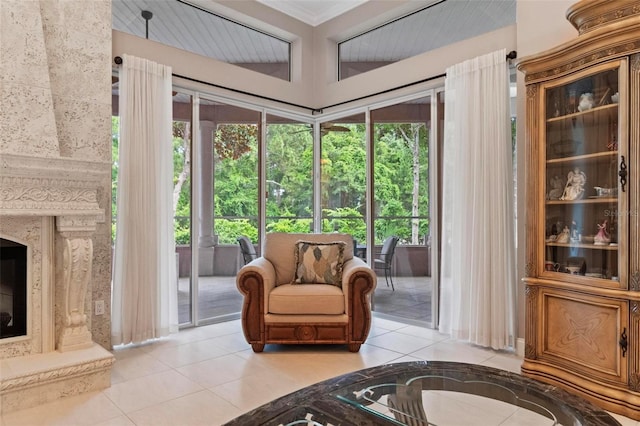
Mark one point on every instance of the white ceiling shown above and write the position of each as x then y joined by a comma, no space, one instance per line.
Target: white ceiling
312,12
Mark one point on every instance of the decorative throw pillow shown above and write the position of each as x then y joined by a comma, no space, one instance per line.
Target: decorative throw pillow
319,263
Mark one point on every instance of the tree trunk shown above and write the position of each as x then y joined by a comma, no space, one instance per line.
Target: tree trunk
415,222
413,140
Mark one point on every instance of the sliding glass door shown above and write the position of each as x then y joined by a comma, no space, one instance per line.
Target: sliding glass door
230,182
226,163
402,233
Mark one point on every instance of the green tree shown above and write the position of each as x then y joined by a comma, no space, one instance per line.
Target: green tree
343,164
235,148
400,178
289,170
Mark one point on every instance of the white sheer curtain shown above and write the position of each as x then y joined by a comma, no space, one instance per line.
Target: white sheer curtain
478,242
144,303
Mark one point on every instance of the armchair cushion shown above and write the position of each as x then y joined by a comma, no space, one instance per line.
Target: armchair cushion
307,299
319,263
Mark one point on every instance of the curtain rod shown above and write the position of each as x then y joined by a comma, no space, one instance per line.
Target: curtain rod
118,60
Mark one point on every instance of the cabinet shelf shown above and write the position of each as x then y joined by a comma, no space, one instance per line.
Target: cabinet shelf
583,246
586,157
580,113
594,200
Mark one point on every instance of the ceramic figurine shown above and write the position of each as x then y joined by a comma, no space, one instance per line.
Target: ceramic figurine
563,237
602,238
586,102
556,184
574,189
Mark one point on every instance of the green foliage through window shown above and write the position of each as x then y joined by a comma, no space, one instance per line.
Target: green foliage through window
401,170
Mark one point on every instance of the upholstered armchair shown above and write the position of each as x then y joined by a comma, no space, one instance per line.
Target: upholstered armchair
306,288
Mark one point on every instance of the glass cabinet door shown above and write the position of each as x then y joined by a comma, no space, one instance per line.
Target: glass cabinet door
584,193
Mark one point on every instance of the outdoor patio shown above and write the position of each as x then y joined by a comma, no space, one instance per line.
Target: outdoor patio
219,299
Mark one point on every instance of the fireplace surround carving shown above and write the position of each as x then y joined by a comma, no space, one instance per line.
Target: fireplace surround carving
51,204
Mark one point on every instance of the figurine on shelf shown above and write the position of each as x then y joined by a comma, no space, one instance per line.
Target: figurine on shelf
602,238
563,237
587,101
557,188
574,189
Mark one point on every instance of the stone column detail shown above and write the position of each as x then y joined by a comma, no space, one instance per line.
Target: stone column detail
207,240
73,281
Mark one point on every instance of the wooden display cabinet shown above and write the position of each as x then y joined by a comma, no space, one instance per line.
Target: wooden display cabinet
583,219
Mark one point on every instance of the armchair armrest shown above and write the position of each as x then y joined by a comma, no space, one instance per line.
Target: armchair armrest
255,280
260,266
358,281
354,265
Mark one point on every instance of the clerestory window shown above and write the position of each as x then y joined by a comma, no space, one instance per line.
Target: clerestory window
442,23
186,26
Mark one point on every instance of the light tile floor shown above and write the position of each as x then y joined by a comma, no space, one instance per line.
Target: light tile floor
209,375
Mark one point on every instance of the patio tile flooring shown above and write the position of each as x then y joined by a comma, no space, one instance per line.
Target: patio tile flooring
219,299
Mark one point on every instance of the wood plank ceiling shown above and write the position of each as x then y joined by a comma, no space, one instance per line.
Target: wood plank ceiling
178,24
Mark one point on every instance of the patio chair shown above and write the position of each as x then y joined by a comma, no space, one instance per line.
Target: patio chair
247,248
386,258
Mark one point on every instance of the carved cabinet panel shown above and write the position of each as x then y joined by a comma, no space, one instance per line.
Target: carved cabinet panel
582,333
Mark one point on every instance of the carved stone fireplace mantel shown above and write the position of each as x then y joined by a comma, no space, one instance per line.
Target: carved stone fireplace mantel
41,186
67,190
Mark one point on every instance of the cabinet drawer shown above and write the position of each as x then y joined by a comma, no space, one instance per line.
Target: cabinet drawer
581,333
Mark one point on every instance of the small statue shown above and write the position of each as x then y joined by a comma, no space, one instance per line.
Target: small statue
586,102
574,189
563,237
557,185
602,238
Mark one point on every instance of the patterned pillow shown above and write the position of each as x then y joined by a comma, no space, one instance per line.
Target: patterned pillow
319,263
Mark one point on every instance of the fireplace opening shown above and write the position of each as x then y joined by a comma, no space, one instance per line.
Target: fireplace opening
13,289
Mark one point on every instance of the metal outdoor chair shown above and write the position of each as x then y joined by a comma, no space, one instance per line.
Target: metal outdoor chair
386,258
247,248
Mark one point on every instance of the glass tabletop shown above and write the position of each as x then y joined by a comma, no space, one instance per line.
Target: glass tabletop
434,393
424,400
